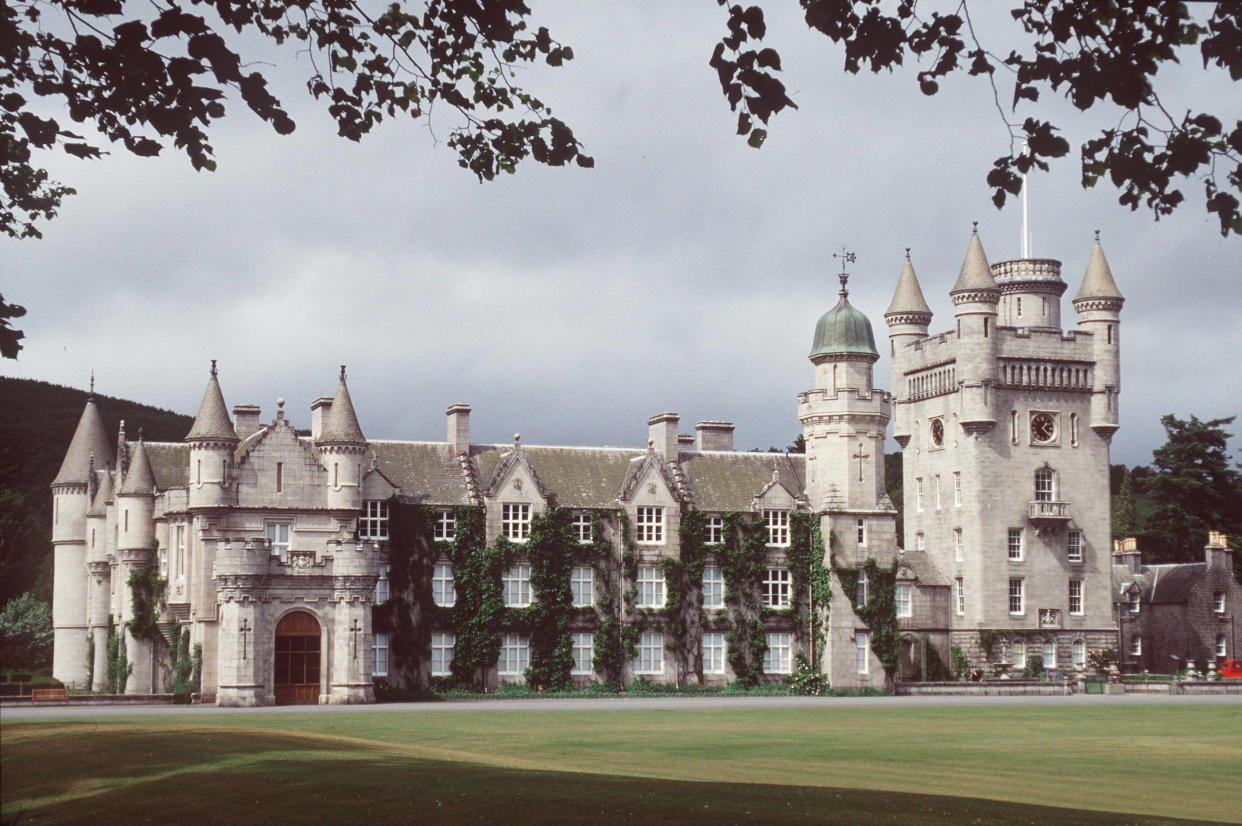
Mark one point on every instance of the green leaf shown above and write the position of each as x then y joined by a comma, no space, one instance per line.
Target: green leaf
757,137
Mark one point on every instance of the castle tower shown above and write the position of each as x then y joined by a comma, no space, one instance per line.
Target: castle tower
342,448
71,491
975,299
135,541
99,576
908,318
1098,304
844,422
212,440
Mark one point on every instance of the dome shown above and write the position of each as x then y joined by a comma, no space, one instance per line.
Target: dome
843,330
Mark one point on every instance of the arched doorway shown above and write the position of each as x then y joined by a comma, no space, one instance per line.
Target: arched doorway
297,659
910,662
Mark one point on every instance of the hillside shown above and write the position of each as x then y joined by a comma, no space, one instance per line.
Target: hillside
37,423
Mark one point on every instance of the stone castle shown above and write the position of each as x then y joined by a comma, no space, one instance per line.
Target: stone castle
274,545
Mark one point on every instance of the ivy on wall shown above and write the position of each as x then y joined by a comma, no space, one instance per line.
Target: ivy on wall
118,659
989,636
743,562
683,607
182,662
409,613
90,659
809,576
879,613
146,589
615,642
552,552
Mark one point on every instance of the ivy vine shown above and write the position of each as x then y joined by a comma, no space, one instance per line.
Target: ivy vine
743,559
989,636
118,659
182,662
479,611
410,612
879,612
552,552
614,641
90,659
809,575
146,588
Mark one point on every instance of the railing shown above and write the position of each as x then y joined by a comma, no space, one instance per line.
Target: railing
1050,510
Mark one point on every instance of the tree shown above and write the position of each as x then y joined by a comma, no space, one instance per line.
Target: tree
26,634
1091,53
1125,511
149,75
9,338
1197,488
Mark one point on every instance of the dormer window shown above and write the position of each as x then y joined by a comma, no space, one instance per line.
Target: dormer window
1136,597
778,528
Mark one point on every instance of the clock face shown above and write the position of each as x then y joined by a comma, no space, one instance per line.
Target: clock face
937,432
1043,428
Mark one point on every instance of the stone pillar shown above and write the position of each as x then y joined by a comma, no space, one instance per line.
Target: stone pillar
100,585
137,649
354,575
242,658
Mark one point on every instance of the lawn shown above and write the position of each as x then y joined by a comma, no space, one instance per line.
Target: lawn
1039,764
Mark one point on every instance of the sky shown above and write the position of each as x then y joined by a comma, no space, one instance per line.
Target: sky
684,273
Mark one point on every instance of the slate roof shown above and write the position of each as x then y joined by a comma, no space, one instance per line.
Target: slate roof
924,569
103,495
424,471
1098,281
726,481
170,464
89,439
975,273
140,479
1161,584
576,477
212,421
908,297
342,424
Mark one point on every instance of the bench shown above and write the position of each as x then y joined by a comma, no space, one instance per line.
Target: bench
50,695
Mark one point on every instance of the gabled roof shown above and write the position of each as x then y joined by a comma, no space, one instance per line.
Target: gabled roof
1172,583
510,460
724,481
212,421
89,439
1098,281
140,479
908,297
342,425
922,566
639,466
975,273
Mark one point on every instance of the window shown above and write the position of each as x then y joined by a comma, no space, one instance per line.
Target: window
582,527
905,605
584,652
1136,645
1136,599
381,586
280,479
650,526
1049,654
920,542
936,490
374,521
336,474
446,524
957,488
713,652
918,494
516,581
180,550
278,539
1013,426
776,585
861,597
713,587
514,654
959,593
650,587
379,654
443,590
1015,544
778,659
1019,654
715,530
959,550
1079,649
1017,595
937,432
1044,478
862,530
1074,429
515,522
1222,648
650,653
163,556
778,528
582,585
1073,546
1075,597
862,646
1218,602
442,654
1019,306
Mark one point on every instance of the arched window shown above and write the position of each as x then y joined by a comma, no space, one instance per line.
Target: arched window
1080,654
1045,484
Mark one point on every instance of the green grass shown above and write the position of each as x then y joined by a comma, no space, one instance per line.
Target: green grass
1045,764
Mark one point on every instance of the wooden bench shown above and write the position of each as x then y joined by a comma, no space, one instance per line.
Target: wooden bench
49,695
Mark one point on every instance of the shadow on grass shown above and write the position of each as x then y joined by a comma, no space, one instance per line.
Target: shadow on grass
119,775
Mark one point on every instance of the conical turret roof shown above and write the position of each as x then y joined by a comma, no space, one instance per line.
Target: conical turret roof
99,505
908,298
342,424
1098,281
212,421
140,479
88,440
975,274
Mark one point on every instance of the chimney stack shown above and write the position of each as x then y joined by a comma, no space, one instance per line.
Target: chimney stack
458,429
1126,552
715,435
320,408
1218,554
662,431
246,419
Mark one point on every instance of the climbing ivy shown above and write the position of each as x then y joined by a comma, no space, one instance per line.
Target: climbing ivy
551,550
480,610
615,643
743,559
90,659
683,607
989,636
146,588
182,662
879,613
118,661
196,670
410,611
809,575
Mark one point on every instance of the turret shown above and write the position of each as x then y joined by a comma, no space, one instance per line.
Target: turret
135,524
70,501
342,448
1031,291
975,299
212,440
1098,304
99,575
908,318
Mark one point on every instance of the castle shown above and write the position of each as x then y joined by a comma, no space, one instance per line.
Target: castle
273,547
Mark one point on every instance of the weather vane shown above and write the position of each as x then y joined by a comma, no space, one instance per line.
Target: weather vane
847,258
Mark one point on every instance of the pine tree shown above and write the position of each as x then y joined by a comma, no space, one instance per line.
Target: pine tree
1125,513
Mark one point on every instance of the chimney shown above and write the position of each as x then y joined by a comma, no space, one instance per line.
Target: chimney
1218,554
715,435
662,431
246,419
685,443
320,408
458,429
1126,552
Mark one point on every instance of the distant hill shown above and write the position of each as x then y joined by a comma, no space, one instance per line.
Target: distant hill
37,420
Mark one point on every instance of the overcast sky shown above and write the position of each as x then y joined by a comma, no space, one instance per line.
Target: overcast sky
684,273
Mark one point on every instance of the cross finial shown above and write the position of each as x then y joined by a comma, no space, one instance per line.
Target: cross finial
974,227
846,257
213,368
1097,240
1097,235
342,372
907,253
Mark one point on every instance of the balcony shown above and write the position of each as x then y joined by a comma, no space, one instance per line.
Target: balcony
1049,512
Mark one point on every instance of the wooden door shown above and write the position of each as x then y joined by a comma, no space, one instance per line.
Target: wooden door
297,659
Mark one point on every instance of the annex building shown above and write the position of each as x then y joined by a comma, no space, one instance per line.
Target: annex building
276,549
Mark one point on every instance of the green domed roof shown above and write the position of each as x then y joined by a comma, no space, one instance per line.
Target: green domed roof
843,330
